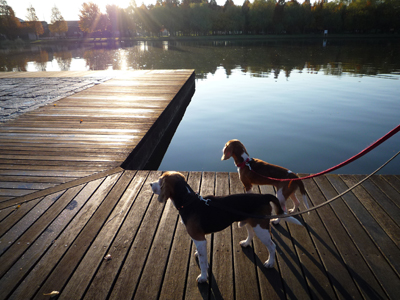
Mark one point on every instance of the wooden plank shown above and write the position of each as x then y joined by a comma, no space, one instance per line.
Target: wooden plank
382,203
35,179
287,259
56,188
151,279
94,192
334,247
381,217
86,270
23,236
270,282
207,187
361,236
243,258
4,213
323,266
395,183
193,289
15,193
129,275
16,214
173,286
108,270
222,275
46,240
59,276
388,189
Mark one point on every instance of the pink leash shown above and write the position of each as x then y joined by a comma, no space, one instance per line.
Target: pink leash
363,152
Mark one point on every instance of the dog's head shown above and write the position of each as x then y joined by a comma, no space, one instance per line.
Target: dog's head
165,186
233,147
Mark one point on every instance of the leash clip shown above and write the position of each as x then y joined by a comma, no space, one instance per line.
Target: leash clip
248,164
205,200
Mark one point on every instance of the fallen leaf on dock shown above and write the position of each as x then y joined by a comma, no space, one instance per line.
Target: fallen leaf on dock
53,293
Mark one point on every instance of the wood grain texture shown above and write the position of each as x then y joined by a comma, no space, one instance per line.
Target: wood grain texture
58,241
93,130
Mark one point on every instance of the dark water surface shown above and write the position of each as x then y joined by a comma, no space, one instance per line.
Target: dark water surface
303,104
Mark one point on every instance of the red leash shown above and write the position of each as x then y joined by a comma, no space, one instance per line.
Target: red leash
363,152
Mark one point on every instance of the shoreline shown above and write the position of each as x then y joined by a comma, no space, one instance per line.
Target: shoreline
203,38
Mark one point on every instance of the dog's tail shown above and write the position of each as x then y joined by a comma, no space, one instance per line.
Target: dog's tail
292,220
303,193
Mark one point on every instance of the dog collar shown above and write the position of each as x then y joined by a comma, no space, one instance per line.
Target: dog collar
245,163
206,202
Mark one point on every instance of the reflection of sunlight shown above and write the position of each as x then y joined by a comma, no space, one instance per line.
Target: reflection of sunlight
165,45
77,64
143,46
123,62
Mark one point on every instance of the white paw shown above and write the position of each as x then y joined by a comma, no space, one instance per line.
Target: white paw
196,254
244,243
291,210
275,221
201,279
268,264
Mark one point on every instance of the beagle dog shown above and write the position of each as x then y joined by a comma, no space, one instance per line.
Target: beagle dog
210,214
255,171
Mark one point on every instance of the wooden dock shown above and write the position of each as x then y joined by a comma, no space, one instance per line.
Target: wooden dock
72,192
346,250
112,124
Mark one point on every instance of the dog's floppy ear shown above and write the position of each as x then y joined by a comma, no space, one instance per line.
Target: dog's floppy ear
244,148
226,153
165,191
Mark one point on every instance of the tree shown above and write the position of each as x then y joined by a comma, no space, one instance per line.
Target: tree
33,25
9,24
292,17
200,18
58,25
261,16
91,19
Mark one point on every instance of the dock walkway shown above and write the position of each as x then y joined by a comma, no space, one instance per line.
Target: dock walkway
100,121
58,242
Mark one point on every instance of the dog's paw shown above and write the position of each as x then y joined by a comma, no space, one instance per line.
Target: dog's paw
196,254
201,279
275,221
244,243
268,264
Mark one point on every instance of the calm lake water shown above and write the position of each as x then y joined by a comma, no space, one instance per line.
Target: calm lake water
303,104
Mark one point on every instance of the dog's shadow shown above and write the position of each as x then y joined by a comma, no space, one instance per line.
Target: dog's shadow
210,290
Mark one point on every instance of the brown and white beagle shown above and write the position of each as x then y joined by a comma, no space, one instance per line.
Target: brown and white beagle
255,171
210,214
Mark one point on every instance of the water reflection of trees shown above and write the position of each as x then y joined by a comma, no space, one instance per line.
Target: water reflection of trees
259,58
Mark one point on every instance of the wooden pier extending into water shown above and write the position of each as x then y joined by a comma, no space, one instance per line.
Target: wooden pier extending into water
56,237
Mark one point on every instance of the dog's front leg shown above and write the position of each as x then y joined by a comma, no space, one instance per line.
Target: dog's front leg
201,254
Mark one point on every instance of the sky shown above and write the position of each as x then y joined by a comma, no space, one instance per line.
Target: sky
70,8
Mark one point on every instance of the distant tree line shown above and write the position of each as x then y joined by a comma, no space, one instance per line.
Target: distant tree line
11,27
205,17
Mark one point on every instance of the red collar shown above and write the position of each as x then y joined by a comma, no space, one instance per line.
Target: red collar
241,165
